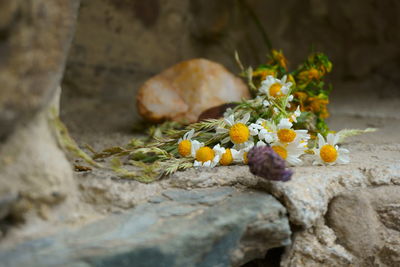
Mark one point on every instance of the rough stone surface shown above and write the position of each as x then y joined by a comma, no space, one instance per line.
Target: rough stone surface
306,197
183,91
317,246
359,229
308,193
362,222
105,191
366,222
34,40
34,172
134,40
374,163
204,227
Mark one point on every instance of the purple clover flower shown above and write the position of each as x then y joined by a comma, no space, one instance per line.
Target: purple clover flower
266,163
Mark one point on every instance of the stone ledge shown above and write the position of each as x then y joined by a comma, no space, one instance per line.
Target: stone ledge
202,227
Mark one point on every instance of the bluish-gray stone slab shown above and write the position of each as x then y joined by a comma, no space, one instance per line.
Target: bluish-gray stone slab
203,227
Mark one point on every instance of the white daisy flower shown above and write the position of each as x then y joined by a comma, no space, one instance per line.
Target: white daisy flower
239,132
290,152
265,130
207,157
185,144
274,87
285,133
329,152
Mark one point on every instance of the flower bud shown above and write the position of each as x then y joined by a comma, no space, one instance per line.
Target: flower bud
266,163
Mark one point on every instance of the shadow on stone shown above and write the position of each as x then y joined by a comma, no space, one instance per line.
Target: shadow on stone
272,259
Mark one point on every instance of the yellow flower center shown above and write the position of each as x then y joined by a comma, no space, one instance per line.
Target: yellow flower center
226,158
245,159
286,135
204,154
239,133
275,89
281,151
328,153
184,148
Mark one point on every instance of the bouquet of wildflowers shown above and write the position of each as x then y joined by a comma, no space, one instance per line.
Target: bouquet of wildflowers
284,120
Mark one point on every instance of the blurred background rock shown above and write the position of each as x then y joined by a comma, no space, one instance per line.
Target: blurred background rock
121,43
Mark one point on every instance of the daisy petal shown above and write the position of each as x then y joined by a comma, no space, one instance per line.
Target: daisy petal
196,163
207,164
230,120
245,118
261,143
321,141
331,139
285,124
190,134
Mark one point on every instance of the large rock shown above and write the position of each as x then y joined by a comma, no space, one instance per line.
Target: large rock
185,90
34,172
361,228
34,40
203,227
367,223
358,223
315,247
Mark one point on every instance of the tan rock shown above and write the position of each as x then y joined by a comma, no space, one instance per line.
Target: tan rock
34,171
183,91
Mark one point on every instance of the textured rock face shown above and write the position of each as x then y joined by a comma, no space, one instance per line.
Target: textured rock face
34,172
367,223
204,227
120,44
358,228
308,193
34,39
317,246
185,90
